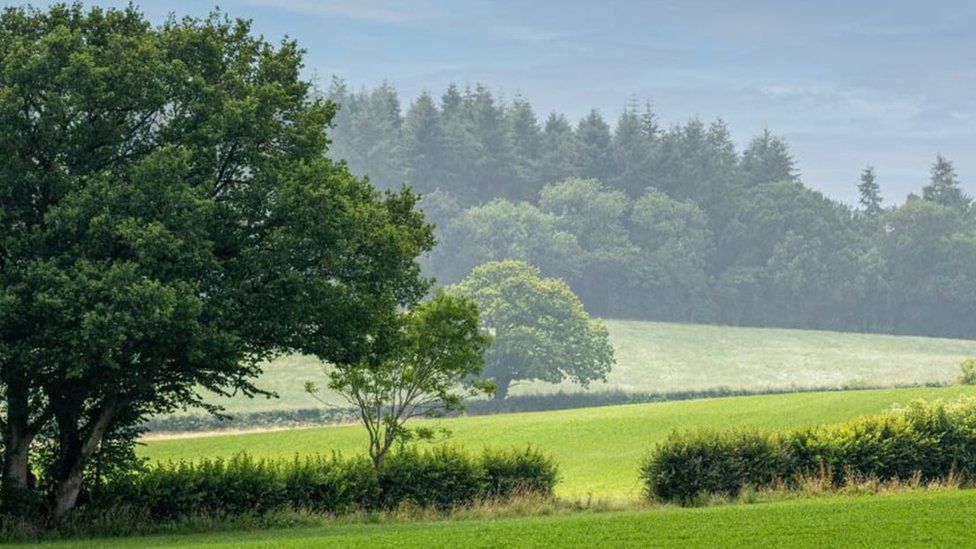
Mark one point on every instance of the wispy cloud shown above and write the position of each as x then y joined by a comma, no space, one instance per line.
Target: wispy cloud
524,33
848,101
395,13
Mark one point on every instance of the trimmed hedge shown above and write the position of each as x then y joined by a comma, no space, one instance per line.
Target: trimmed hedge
928,441
439,478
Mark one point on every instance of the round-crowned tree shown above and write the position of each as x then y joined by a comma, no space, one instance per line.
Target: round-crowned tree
540,329
169,220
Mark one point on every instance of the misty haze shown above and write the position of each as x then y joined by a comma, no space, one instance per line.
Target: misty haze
487,274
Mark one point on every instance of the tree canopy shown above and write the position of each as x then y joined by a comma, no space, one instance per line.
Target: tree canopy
540,329
675,223
417,372
169,220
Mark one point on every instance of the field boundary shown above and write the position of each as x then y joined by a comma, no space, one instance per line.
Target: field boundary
204,424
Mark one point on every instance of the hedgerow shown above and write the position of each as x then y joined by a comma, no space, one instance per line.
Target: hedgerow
512,404
922,441
442,478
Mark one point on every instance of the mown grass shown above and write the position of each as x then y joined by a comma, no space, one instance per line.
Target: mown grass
598,449
929,519
663,357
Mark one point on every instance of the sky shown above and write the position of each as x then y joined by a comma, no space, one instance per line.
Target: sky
848,84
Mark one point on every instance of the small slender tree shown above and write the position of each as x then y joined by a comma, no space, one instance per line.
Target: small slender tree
417,371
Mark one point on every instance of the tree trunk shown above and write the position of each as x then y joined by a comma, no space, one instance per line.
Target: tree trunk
65,495
17,490
501,388
18,497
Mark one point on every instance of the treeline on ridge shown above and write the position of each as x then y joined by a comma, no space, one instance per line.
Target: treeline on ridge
666,223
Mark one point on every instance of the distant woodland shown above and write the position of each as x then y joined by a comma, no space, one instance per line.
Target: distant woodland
666,223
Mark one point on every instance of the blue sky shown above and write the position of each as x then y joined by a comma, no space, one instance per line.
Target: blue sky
887,83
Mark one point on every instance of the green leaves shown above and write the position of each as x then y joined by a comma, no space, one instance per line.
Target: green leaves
416,370
169,219
541,330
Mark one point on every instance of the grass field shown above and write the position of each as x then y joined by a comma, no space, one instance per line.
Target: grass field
661,357
598,449
929,519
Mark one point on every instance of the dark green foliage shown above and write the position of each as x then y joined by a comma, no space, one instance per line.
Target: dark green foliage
518,472
924,441
438,346
329,484
686,465
441,478
168,221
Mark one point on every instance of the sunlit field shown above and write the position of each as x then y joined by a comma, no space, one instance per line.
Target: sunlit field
936,519
598,449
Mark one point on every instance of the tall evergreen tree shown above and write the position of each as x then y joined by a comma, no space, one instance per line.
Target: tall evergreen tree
870,193
631,149
451,101
526,139
460,146
559,150
423,145
943,187
696,163
767,159
494,172
649,122
594,156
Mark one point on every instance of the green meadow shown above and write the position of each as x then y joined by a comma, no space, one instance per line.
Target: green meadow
598,449
665,357
926,519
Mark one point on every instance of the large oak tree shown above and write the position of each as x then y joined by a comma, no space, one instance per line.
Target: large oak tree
169,220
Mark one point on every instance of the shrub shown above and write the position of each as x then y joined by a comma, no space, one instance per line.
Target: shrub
331,485
685,466
441,478
923,441
968,376
518,472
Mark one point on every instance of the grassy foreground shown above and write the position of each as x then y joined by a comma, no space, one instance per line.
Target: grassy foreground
930,519
663,357
598,449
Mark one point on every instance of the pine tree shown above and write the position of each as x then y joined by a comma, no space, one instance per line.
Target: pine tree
451,101
767,159
559,149
460,147
649,122
870,193
944,187
595,158
526,138
423,145
631,149
493,164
